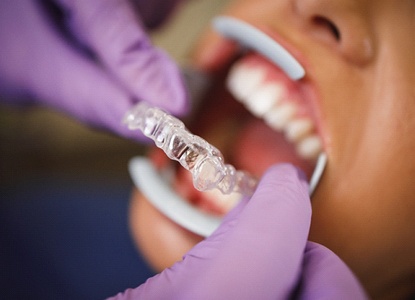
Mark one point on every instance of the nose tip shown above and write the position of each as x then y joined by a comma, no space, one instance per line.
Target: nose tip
343,25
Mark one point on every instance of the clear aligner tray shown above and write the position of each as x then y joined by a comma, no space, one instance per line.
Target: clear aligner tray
204,161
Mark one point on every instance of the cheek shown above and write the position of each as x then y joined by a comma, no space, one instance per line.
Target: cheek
364,209
259,11
368,218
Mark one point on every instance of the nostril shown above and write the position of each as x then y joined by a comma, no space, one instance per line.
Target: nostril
326,24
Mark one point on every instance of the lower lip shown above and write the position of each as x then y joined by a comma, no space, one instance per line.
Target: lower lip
211,202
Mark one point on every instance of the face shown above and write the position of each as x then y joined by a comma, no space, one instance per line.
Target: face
359,95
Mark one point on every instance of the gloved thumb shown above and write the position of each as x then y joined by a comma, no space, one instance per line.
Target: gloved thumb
326,276
267,239
113,32
255,254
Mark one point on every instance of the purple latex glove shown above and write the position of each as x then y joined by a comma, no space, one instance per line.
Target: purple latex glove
259,252
97,70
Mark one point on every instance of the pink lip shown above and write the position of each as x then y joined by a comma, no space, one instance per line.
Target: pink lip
184,187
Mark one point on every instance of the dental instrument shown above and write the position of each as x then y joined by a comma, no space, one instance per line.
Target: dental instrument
196,155
156,186
253,38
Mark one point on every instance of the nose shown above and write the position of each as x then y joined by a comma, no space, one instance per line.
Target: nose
341,24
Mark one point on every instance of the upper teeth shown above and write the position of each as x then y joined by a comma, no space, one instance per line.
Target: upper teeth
297,129
270,102
243,83
280,115
263,99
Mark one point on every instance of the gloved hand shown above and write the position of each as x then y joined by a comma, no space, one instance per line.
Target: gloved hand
91,59
259,252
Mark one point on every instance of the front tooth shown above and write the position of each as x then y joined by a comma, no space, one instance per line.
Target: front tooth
233,79
298,128
279,116
310,147
243,80
226,202
264,98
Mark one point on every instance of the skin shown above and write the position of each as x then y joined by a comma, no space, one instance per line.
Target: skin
364,75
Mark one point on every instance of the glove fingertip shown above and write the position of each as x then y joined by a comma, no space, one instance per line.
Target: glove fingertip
158,81
177,102
287,180
288,171
326,276
171,95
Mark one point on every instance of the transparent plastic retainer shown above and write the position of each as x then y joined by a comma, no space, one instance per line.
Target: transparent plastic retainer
204,161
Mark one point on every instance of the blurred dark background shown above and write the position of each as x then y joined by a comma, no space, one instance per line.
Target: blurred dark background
36,141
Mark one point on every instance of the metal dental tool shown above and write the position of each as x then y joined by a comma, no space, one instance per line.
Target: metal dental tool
203,160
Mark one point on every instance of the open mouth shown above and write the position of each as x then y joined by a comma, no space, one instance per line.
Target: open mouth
284,128
263,121
265,117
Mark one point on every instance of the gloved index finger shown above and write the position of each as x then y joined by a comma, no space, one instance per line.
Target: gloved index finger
115,34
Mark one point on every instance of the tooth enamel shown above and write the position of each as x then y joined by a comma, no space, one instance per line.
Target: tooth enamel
244,80
298,129
264,98
279,116
268,101
233,79
227,202
310,147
